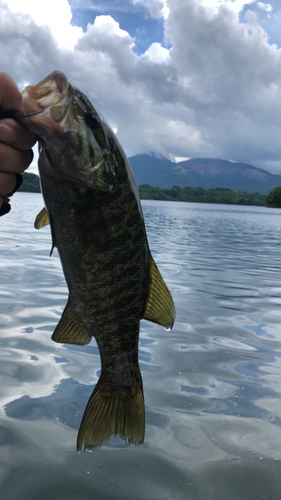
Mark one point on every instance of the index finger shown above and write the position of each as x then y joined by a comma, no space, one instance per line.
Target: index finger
10,96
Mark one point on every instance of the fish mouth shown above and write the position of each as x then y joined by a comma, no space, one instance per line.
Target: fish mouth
55,111
50,91
47,106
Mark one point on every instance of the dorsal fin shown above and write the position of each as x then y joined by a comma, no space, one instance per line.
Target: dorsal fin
159,306
69,330
42,219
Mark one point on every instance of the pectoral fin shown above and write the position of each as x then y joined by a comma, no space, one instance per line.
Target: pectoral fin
69,330
160,305
42,219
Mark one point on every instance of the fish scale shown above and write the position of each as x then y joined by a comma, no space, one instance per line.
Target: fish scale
93,208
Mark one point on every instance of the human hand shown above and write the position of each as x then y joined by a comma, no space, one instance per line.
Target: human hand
15,142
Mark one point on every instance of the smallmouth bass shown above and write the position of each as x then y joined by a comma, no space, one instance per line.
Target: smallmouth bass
92,205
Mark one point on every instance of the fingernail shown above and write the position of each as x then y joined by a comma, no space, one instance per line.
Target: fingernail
5,209
19,181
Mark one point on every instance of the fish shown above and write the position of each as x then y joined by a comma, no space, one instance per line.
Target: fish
93,208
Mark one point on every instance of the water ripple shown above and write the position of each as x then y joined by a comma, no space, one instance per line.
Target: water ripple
212,384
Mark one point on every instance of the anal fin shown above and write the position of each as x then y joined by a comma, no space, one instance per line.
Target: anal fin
159,307
69,330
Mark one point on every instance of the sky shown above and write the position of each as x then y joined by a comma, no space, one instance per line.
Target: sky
180,78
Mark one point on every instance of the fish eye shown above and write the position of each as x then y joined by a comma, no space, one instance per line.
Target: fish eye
92,120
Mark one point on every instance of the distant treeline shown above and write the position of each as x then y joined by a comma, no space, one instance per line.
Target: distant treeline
200,195
219,195
30,183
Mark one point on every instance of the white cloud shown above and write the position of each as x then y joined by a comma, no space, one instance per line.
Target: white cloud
265,6
156,8
235,5
53,13
157,53
214,92
108,24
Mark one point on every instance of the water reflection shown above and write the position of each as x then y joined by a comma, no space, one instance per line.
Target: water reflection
212,384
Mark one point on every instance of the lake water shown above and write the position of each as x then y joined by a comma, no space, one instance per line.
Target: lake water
212,385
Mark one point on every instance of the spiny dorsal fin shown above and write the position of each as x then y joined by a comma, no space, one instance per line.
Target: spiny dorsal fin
68,330
160,305
42,219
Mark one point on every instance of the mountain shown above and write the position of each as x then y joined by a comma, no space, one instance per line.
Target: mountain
207,173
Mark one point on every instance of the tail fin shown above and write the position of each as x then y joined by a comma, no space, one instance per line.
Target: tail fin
112,413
